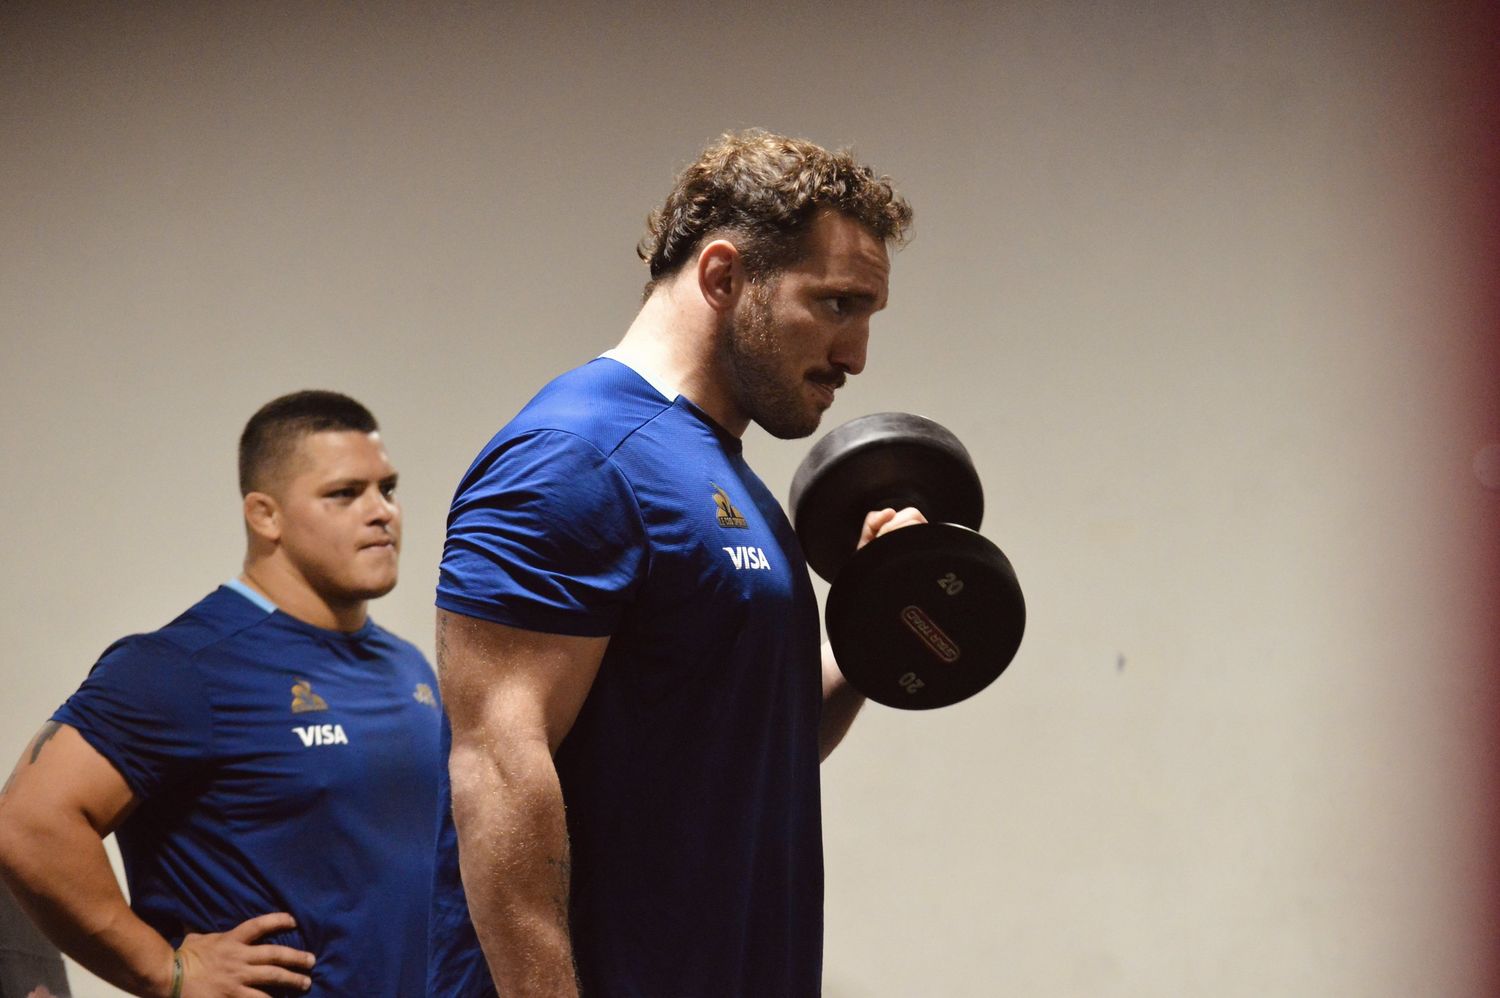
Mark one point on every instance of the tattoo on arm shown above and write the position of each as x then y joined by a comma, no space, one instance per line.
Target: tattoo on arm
42,738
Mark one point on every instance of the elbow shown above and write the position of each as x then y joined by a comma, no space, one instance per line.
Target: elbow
502,768
19,839
10,826
466,776
35,835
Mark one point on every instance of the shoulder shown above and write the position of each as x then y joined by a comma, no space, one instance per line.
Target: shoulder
557,457
145,694
220,615
171,658
600,404
140,661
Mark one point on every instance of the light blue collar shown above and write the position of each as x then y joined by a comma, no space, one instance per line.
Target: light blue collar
251,595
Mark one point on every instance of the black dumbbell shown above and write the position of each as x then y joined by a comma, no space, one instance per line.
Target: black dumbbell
924,616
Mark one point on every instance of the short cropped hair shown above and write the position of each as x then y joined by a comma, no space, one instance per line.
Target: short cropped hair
272,434
765,189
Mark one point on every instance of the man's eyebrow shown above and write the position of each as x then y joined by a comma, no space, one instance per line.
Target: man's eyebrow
360,479
864,296
850,289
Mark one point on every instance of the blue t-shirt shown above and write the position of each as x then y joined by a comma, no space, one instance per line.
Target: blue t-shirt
279,767
691,774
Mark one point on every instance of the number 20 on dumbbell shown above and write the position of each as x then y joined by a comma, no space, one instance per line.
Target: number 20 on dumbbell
924,616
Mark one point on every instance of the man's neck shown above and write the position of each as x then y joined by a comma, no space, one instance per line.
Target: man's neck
673,345
293,596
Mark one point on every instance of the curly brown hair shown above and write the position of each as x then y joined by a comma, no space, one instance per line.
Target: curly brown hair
765,189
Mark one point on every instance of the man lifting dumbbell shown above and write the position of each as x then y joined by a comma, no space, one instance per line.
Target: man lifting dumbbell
626,621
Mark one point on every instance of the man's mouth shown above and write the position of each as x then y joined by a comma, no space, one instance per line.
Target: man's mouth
827,384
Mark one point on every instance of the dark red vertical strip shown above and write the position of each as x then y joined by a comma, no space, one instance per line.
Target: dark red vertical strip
1485,93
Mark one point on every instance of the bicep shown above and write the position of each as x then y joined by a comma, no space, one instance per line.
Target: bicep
502,684
60,774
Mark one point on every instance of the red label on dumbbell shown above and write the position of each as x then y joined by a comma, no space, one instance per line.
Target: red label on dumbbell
915,618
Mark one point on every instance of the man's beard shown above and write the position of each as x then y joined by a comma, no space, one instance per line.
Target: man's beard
771,396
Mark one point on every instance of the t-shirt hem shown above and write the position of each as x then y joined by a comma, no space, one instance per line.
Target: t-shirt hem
530,618
102,745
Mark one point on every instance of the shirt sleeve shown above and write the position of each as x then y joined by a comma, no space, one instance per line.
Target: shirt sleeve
544,534
143,708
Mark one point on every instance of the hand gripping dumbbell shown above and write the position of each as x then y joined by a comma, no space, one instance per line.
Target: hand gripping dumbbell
923,616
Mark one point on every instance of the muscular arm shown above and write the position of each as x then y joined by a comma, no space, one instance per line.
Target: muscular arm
62,799
60,802
511,697
841,702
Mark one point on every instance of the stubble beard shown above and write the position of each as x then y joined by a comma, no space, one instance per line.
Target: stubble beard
346,583
773,398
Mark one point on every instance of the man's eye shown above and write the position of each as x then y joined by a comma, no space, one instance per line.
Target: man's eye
343,494
838,304
388,490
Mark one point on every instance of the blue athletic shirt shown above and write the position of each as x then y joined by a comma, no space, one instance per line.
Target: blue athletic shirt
279,767
691,774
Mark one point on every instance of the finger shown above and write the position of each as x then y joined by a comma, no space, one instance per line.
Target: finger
910,516
248,992
874,521
286,956
253,928
277,977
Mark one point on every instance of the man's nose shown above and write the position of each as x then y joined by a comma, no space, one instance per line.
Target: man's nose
850,348
381,509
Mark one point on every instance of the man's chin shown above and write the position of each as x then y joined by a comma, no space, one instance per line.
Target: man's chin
382,589
782,429
371,589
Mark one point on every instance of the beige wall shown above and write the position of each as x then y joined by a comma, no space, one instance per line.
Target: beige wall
1204,288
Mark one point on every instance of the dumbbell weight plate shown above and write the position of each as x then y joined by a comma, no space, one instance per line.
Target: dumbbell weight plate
925,616
886,459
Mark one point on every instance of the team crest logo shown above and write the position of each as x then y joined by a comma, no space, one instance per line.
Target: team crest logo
304,699
424,695
728,515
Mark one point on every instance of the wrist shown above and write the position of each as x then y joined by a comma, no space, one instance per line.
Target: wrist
156,977
176,991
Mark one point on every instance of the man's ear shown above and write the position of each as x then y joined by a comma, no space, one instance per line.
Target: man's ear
721,275
263,516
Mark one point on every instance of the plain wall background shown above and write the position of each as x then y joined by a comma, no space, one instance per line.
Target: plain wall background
1208,290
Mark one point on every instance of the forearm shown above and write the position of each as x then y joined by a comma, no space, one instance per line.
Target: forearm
60,874
841,704
513,854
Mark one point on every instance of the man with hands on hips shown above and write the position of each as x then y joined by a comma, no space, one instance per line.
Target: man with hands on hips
628,637
266,760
